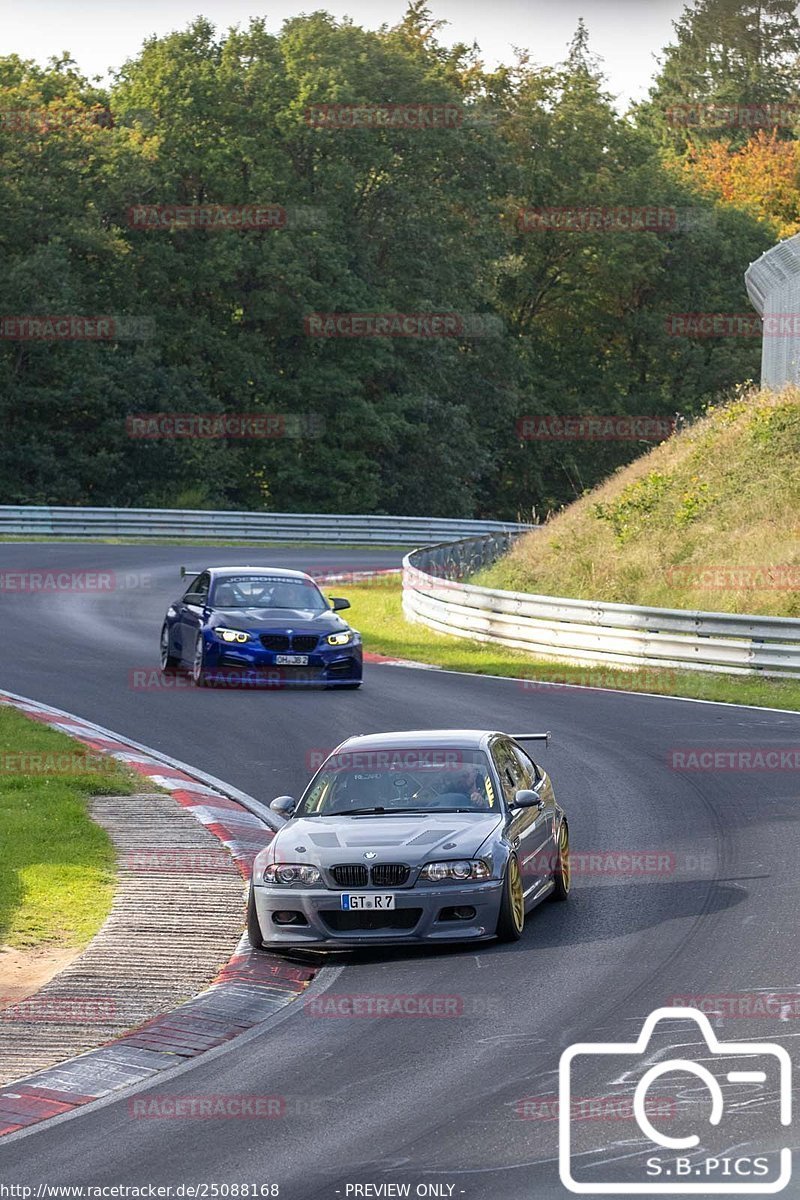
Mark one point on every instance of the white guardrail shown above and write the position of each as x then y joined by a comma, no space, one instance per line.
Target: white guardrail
21,521
579,631
588,631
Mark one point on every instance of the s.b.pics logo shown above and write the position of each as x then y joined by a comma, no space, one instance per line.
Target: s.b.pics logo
710,1147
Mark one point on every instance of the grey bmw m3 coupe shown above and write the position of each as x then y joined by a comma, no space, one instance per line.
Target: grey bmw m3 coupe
423,836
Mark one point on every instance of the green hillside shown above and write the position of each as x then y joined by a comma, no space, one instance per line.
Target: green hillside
709,519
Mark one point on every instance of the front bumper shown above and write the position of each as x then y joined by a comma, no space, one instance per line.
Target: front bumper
251,665
417,916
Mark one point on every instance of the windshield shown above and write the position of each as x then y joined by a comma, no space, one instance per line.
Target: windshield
383,782
267,591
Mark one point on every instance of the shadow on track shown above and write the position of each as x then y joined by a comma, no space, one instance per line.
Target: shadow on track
593,914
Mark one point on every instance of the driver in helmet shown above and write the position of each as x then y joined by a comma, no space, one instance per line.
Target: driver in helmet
470,781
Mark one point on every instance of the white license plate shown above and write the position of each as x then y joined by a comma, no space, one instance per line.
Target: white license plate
288,660
378,903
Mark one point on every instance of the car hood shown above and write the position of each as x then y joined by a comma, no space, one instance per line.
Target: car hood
263,620
415,839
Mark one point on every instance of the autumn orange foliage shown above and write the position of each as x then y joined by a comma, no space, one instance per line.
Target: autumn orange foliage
762,177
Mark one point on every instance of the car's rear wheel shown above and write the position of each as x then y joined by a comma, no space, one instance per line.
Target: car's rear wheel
199,673
562,874
511,919
253,925
169,662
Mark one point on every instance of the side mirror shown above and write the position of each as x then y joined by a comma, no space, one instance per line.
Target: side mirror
284,806
339,602
195,598
527,799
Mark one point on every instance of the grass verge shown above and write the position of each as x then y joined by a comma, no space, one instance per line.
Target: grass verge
57,868
377,613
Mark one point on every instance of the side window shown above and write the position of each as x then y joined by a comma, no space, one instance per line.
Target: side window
199,586
191,588
527,766
318,796
509,770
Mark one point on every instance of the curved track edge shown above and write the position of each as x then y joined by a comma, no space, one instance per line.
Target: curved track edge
248,990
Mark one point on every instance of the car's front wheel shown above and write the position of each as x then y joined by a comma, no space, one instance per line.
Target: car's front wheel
561,874
511,919
199,673
253,925
169,662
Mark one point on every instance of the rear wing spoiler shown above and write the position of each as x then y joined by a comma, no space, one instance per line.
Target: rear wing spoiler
188,571
532,737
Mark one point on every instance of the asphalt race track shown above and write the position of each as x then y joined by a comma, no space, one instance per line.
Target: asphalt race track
413,1099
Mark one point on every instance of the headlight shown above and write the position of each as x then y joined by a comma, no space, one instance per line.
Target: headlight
289,873
462,869
341,639
232,635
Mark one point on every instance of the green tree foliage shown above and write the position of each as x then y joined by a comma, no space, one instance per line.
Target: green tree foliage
588,309
726,54
380,220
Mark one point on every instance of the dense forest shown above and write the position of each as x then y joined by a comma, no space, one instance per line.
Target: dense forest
378,173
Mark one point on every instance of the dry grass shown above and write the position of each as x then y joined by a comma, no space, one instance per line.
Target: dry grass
710,519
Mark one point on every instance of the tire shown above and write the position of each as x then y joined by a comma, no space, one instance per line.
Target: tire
511,918
199,674
168,661
253,926
562,875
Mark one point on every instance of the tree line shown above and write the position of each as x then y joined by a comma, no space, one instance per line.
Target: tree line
358,271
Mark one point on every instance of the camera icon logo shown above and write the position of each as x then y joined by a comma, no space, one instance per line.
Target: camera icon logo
722,1088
